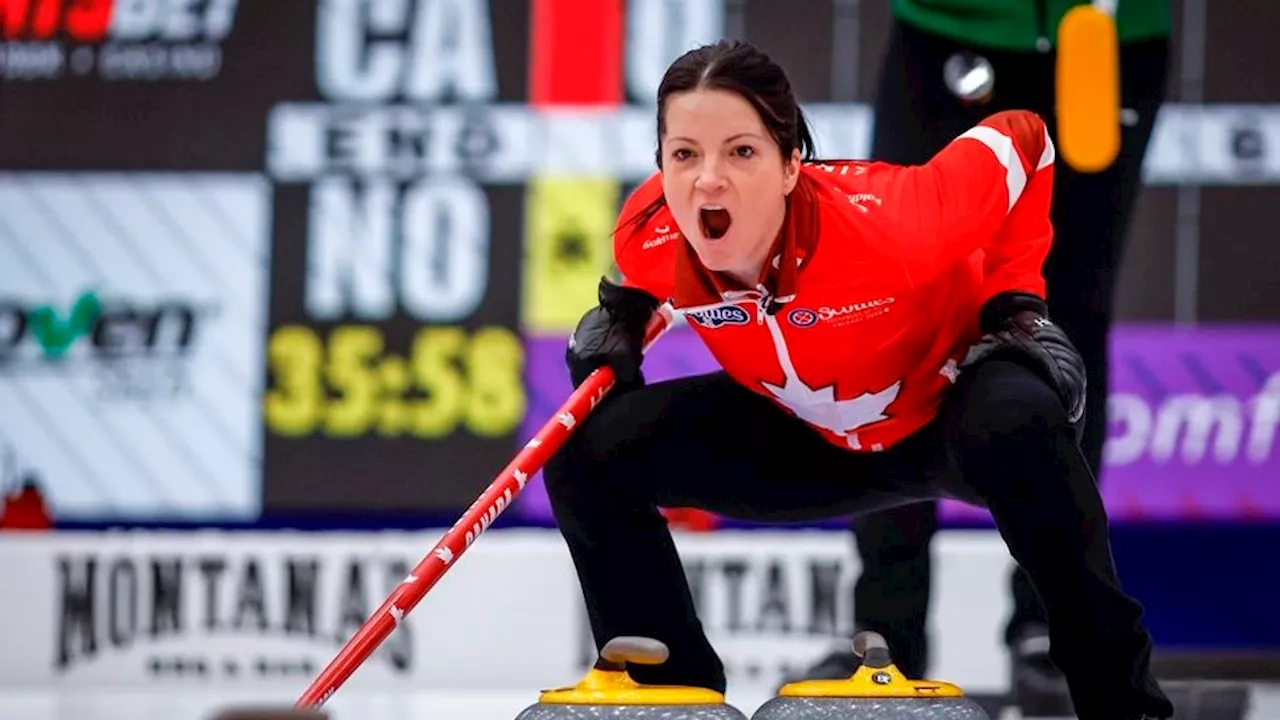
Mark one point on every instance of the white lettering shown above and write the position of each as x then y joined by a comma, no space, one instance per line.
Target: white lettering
1198,416
660,240
31,61
172,20
179,20
446,249
441,261
1265,407
659,31
156,61
349,64
490,514
1190,428
426,50
1132,414
349,251
453,52
827,313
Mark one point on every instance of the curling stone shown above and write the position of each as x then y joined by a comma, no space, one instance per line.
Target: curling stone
608,692
876,691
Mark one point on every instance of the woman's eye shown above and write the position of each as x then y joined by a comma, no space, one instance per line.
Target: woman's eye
745,151
682,154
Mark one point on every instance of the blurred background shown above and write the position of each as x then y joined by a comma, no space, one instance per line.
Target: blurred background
284,284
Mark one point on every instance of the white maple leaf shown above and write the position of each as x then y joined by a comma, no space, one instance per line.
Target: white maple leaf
819,406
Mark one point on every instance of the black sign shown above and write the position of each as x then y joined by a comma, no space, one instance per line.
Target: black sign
395,365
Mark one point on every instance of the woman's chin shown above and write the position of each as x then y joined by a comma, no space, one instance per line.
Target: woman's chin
718,257
712,255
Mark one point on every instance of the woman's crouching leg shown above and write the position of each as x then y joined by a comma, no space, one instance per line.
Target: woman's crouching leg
1015,450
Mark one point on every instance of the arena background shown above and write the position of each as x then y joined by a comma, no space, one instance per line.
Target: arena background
310,265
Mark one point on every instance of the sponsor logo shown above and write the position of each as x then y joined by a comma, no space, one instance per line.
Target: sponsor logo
212,614
133,348
862,200
720,316
802,317
664,236
137,40
1192,428
842,315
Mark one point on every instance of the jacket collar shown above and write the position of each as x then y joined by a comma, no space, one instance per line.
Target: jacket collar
695,286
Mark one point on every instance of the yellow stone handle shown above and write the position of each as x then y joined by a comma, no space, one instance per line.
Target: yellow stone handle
609,683
876,677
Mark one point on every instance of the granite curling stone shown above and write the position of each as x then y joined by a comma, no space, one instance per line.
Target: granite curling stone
876,691
608,692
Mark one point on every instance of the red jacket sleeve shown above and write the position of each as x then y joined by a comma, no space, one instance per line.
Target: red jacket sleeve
989,189
644,247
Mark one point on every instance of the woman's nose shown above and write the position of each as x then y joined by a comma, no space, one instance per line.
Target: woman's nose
709,176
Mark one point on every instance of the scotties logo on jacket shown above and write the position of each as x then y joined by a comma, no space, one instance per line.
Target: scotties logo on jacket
720,316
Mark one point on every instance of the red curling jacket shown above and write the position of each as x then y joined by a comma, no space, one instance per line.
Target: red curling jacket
877,278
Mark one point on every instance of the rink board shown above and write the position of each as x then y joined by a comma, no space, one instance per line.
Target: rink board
161,610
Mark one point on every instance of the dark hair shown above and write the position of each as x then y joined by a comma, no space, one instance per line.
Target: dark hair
742,68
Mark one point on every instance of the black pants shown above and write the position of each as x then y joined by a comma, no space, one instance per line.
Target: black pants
1001,440
915,116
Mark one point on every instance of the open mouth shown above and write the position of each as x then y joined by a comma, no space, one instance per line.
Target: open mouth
714,220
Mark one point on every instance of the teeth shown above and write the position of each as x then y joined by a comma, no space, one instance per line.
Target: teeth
712,207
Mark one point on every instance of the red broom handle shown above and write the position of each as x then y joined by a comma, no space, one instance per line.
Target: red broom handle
477,518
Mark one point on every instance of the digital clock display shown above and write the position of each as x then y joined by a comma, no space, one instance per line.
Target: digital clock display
352,385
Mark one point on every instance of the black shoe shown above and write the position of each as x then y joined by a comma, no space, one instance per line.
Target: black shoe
1039,687
839,665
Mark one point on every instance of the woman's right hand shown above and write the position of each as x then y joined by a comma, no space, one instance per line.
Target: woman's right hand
612,334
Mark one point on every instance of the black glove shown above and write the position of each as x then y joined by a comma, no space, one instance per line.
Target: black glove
612,334
1016,326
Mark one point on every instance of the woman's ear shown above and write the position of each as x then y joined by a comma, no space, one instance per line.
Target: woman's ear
791,171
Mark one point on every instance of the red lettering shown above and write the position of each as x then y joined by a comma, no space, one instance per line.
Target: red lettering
44,22
13,18
89,20
82,20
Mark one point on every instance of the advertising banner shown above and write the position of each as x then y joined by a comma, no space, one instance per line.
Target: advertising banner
1194,419
136,85
132,309
774,602
209,610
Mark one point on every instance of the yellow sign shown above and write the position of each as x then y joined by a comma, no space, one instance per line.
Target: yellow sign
568,245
